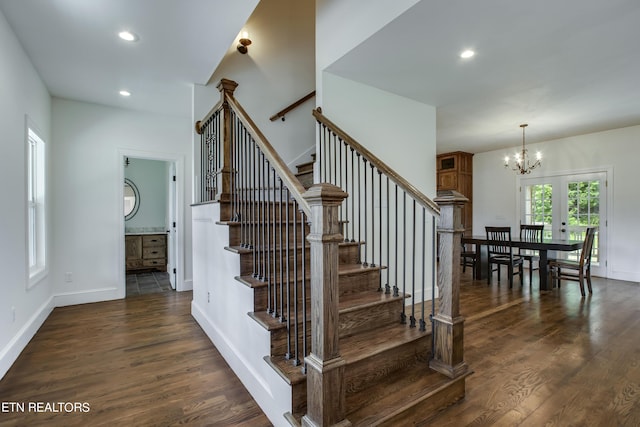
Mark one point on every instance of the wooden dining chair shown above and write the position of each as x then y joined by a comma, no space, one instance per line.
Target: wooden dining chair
468,258
530,233
576,271
500,250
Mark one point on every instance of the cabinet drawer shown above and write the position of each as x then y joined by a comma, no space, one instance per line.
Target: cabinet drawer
154,240
134,263
159,262
153,252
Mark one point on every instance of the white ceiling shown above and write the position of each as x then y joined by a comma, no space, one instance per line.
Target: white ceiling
565,67
74,46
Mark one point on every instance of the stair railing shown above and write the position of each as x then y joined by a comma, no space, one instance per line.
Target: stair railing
264,204
281,114
393,220
396,226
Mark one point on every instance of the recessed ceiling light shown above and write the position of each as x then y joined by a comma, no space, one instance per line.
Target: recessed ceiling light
125,93
128,36
465,54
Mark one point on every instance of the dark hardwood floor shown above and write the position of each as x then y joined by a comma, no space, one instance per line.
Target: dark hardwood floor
142,361
550,359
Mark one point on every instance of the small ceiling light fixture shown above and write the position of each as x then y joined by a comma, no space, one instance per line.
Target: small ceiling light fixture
466,54
125,93
128,36
521,162
244,42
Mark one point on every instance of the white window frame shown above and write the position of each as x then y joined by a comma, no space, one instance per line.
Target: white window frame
36,206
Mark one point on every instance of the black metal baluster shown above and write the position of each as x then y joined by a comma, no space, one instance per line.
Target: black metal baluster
294,356
346,187
267,242
387,287
359,205
364,219
352,196
373,219
282,309
272,249
303,274
255,214
404,254
434,240
412,319
423,326
396,265
290,204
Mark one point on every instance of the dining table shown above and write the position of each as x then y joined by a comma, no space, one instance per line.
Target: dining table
543,247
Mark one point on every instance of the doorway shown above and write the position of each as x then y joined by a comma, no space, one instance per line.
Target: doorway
567,204
151,256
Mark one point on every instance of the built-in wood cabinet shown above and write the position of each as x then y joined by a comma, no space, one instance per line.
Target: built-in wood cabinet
455,172
146,252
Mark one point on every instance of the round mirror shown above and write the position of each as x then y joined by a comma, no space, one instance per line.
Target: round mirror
131,199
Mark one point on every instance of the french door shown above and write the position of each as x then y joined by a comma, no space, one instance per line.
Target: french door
567,205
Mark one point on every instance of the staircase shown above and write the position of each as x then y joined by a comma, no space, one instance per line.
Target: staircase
305,172
388,379
389,374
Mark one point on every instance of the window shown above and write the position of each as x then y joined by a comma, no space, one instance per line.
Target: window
36,221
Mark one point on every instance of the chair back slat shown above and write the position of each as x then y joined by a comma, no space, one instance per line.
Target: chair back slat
500,240
531,232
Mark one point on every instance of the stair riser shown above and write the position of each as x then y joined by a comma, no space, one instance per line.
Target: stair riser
367,280
348,254
367,318
361,374
236,234
267,210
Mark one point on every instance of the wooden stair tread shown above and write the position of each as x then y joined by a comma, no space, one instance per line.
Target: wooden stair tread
286,369
405,388
366,344
356,301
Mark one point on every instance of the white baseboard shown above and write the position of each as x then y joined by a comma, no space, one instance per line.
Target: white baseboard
12,350
85,297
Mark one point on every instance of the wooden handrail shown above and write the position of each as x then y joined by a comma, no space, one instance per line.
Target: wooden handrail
211,112
281,113
405,185
290,180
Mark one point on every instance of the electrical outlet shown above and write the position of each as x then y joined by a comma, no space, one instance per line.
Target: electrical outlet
68,277
208,297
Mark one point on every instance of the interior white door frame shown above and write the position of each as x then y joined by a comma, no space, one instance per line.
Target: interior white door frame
178,161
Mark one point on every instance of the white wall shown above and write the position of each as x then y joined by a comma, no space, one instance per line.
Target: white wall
278,70
341,25
88,224
400,131
495,189
23,93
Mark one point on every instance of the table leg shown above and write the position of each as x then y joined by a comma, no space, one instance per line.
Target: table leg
543,270
482,261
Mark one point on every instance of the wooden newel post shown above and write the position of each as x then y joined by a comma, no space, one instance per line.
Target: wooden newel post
325,366
225,179
448,351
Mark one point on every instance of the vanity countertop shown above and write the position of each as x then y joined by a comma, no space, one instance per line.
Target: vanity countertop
134,232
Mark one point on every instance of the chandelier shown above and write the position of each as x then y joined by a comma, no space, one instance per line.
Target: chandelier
521,162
